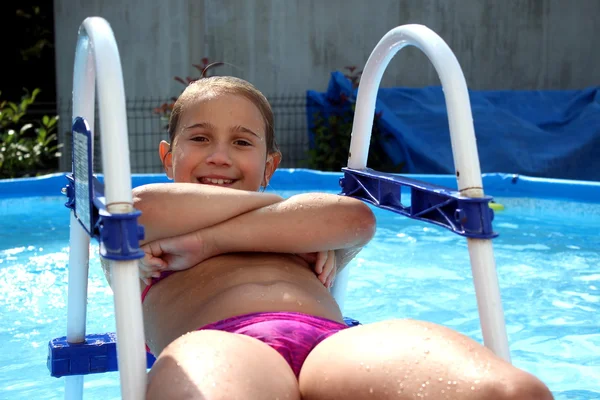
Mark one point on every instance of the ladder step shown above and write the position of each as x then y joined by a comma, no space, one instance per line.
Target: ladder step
465,216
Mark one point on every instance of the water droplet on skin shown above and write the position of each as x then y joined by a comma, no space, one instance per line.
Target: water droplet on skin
426,351
371,390
368,368
476,381
299,303
472,387
440,379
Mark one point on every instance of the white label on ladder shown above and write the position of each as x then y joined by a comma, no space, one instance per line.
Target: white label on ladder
82,179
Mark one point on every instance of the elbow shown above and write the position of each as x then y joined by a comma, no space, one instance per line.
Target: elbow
138,198
363,222
142,202
143,197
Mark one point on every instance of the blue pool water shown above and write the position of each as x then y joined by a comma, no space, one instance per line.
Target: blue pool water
547,256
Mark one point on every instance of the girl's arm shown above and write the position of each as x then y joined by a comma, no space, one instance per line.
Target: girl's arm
306,223
301,224
172,209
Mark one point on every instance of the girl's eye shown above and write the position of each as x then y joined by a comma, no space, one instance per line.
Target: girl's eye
242,142
198,139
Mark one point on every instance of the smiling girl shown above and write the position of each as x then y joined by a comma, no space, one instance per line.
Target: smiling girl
236,281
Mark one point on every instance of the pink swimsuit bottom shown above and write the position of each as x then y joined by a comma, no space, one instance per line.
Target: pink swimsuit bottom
294,335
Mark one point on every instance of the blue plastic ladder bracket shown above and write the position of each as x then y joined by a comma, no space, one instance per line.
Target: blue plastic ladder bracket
97,354
465,216
118,234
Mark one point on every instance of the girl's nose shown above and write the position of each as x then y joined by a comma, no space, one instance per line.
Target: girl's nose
219,155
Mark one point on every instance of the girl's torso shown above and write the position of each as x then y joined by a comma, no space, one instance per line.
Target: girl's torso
231,285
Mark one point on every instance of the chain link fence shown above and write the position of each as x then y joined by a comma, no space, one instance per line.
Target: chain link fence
146,129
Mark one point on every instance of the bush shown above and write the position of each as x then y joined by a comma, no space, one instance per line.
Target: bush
26,148
332,134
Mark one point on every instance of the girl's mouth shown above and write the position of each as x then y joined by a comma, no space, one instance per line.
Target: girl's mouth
215,181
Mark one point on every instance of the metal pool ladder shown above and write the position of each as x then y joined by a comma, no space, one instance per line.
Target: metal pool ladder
466,211
105,210
101,215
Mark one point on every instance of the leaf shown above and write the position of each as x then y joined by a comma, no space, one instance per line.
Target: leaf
25,128
52,122
178,79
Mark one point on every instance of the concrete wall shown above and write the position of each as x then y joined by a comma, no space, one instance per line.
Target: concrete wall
290,46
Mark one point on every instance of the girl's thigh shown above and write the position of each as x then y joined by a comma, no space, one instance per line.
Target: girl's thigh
212,365
406,359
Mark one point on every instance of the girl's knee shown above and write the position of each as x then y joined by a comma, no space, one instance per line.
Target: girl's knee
519,385
168,380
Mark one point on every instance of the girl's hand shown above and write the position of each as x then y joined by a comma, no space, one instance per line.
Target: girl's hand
324,265
173,254
150,266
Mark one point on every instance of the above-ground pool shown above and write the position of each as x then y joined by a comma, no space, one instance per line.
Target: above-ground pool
547,255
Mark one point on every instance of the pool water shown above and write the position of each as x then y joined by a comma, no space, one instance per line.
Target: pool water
547,256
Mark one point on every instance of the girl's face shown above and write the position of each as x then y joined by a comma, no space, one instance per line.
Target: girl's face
220,141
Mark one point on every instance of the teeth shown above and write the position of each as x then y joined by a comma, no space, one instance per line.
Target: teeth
216,181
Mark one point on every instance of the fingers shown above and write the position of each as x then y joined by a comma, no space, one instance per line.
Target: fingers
328,272
150,266
320,262
331,279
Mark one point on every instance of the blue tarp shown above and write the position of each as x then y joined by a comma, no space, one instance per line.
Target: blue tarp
552,134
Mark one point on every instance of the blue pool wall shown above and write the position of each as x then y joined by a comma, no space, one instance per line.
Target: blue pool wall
496,184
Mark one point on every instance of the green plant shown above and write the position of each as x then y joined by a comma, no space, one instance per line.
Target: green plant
36,37
26,147
332,134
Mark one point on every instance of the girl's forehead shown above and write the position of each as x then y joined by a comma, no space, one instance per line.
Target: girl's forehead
227,108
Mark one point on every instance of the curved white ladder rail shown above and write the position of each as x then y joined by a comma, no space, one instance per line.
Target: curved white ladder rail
97,60
466,160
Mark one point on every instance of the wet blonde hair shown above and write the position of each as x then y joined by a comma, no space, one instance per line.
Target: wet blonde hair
225,85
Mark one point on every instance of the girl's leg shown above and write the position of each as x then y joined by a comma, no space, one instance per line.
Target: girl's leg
211,365
407,359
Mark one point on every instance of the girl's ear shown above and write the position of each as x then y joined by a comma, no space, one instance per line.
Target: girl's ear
273,161
166,157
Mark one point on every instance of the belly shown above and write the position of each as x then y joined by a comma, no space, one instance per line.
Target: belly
231,285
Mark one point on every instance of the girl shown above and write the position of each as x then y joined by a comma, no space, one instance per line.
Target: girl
235,281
